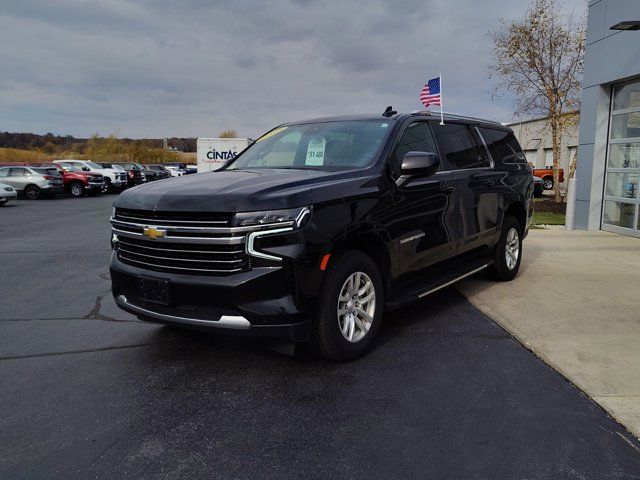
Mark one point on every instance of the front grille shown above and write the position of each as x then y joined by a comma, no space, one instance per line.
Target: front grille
191,219
182,258
184,242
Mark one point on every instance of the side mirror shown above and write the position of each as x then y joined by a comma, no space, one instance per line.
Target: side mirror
417,164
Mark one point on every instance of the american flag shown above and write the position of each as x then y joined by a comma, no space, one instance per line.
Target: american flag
430,94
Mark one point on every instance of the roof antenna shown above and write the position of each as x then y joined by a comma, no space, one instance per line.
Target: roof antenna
389,112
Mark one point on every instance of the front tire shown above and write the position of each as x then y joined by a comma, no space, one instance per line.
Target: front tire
76,189
508,252
351,304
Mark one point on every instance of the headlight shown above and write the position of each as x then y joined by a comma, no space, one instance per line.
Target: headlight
299,216
8,189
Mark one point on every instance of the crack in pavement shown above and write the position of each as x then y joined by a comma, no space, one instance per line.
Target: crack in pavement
73,352
94,313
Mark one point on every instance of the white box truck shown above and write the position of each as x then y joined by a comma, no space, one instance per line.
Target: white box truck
215,152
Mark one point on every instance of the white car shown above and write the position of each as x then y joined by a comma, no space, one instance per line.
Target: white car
173,170
115,179
7,192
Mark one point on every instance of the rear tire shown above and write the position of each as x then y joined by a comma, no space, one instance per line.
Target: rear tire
2,202
548,183
508,252
351,304
32,192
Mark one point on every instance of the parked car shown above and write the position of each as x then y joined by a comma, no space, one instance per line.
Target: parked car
134,174
546,174
161,170
538,187
180,166
77,183
33,182
115,179
173,170
319,227
192,169
149,174
7,192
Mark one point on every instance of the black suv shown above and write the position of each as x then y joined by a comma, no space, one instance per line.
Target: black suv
320,226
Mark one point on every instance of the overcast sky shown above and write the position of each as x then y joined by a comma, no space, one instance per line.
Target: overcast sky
196,67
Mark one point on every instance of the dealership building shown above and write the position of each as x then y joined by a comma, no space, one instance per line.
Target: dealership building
608,167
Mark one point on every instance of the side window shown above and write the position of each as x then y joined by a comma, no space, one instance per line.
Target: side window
502,145
416,137
18,172
4,172
457,145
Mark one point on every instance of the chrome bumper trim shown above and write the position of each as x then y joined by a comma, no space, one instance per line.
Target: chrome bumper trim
226,321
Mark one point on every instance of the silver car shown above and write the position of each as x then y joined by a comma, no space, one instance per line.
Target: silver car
7,192
33,182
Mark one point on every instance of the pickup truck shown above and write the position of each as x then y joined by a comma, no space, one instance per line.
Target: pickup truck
546,174
78,182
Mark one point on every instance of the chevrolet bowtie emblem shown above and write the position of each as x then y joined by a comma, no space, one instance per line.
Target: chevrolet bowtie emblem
153,233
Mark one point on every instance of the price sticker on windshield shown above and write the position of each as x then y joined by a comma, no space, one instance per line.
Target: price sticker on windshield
315,151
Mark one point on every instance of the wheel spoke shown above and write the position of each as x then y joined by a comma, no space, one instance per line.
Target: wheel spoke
352,325
363,290
363,314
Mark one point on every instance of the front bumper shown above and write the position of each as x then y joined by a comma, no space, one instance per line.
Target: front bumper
255,302
95,187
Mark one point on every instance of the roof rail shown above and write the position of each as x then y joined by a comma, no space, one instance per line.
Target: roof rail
453,115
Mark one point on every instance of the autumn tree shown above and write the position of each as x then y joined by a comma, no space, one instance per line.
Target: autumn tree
228,134
539,58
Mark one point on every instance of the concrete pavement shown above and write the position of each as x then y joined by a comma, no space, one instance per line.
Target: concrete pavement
576,304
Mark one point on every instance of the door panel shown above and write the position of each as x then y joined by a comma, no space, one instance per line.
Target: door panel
425,230
476,184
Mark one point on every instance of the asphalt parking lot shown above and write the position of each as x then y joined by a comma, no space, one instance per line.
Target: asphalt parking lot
87,391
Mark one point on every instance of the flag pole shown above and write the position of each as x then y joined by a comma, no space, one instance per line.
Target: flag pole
441,102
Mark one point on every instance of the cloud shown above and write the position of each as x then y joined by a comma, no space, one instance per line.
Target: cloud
195,68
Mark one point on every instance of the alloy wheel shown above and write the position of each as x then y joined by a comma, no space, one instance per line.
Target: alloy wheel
356,306
512,248
76,190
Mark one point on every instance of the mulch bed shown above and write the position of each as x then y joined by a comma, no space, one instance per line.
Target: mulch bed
548,204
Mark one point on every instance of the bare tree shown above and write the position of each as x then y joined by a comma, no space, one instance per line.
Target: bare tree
228,134
539,58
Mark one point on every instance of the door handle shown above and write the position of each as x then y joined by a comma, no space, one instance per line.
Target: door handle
447,189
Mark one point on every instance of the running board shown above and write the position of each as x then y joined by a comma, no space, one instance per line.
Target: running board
427,289
451,282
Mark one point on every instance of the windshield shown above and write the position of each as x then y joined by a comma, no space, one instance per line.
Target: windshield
94,165
316,146
69,168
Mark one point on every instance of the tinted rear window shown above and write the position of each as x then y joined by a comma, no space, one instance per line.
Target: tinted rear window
46,171
502,145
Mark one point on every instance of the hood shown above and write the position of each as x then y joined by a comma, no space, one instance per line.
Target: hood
238,190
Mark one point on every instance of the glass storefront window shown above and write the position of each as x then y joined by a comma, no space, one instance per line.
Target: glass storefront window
626,96
624,155
625,125
623,185
618,214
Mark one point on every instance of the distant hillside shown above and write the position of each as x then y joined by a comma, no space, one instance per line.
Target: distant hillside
52,144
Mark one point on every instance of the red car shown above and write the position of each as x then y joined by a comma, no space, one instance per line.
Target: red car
78,182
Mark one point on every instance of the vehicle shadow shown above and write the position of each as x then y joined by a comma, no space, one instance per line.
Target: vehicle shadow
437,314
